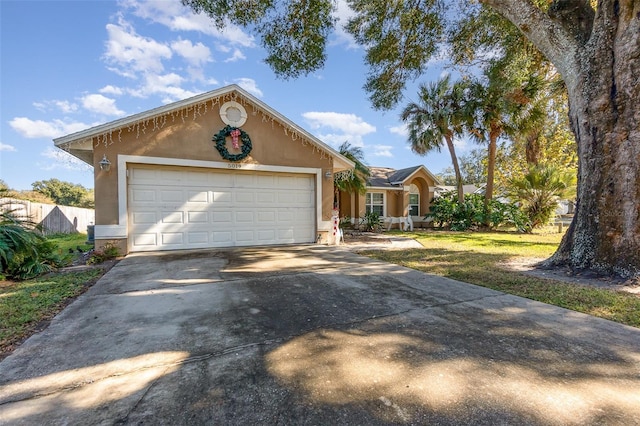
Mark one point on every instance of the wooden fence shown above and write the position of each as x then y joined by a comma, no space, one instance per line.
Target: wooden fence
54,219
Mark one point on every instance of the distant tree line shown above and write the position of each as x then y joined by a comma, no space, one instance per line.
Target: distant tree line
53,191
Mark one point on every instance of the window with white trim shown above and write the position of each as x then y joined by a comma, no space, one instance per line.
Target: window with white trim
374,202
414,204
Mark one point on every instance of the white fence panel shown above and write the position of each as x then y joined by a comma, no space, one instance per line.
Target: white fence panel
54,219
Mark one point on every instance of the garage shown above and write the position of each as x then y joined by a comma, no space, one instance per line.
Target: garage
219,169
172,208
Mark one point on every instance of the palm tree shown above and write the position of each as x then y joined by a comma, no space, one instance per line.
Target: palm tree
488,106
540,190
437,118
357,180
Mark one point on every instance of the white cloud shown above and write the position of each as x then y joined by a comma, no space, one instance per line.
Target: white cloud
45,129
343,13
350,128
348,123
237,56
64,106
62,160
101,104
111,90
7,148
249,85
166,84
131,53
195,54
177,17
461,144
399,130
382,151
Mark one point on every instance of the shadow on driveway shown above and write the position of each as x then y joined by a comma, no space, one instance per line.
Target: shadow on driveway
315,335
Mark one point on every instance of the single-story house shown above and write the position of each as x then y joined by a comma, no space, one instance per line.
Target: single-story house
466,189
219,169
392,193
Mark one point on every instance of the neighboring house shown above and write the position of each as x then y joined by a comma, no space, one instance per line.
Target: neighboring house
466,189
392,193
177,177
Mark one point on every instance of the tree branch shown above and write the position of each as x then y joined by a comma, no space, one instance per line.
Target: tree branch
550,36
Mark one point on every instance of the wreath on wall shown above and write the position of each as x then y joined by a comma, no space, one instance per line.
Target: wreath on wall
237,136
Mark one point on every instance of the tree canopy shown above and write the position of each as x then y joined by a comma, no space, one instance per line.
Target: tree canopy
65,193
594,50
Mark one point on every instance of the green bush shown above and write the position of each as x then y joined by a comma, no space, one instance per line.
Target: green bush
540,190
24,252
107,252
372,221
446,211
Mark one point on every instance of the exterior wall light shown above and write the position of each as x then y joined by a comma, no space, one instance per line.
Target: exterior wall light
105,164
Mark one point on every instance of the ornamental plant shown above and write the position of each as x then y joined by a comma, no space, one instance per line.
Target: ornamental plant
24,252
445,211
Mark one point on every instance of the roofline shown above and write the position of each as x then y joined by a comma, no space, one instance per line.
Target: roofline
386,188
92,132
421,166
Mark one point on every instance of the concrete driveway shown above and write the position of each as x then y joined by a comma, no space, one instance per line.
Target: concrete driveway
314,335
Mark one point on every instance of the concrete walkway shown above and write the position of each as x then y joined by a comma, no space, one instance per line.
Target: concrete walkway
314,335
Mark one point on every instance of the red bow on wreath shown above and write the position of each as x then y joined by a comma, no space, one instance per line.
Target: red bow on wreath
235,135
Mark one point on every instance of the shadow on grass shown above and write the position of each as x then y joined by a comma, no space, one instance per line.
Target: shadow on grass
484,269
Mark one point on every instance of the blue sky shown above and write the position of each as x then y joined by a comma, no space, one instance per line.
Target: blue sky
69,65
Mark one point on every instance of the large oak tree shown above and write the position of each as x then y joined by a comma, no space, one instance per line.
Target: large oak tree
596,50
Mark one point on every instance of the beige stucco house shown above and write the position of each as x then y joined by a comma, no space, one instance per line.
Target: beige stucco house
182,177
392,193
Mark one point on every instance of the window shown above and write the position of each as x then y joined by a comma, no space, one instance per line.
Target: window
414,204
374,202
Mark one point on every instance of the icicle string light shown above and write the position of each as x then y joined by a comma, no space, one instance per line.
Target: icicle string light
194,112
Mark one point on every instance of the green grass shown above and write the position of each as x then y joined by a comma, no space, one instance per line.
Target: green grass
25,304
479,258
70,241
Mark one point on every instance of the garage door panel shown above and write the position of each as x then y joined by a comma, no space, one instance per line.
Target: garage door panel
266,236
145,239
183,208
244,217
172,238
222,237
173,217
222,218
244,197
245,181
143,195
198,238
266,217
172,196
143,218
222,197
198,197
267,197
245,236
198,217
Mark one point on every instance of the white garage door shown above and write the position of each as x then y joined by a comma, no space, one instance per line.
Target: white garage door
183,208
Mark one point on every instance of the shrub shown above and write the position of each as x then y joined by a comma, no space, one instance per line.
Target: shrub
446,211
24,252
107,252
540,190
372,221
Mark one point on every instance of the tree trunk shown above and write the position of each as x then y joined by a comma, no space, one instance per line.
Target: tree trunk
456,168
533,150
605,117
598,56
494,133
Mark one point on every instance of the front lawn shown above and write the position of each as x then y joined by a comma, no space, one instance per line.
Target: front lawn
24,305
480,258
